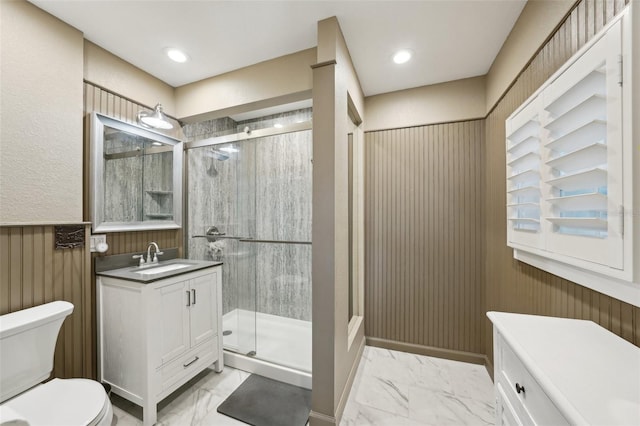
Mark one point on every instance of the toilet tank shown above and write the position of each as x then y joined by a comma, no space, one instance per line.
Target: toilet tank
27,343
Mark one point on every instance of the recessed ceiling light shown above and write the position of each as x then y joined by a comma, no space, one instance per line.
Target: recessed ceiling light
402,56
176,55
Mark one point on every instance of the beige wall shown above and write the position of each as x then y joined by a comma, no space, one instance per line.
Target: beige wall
107,70
334,359
446,102
274,82
536,22
40,116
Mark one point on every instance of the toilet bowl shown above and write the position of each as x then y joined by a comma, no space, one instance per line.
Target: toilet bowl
63,402
27,344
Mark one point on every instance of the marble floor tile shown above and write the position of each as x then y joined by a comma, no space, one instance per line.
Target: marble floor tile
432,407
383,394
356,414
391,388
398,388
191,404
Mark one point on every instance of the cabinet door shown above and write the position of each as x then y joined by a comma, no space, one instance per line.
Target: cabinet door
203,309
174,320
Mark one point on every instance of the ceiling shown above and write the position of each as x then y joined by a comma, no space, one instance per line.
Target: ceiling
451,39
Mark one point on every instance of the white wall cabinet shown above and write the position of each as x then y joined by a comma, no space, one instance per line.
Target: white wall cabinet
558,371
571,167
154,337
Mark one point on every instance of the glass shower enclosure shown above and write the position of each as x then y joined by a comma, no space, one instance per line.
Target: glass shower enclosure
249,205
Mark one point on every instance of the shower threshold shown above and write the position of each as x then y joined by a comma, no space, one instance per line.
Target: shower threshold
267,369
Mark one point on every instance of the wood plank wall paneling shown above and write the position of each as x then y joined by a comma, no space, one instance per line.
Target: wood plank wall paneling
32,272
424,235
514,286
97,99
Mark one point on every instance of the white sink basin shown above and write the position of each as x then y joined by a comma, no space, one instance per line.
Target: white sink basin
164,268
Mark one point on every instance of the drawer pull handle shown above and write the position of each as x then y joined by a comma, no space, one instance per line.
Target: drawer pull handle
519,388
193,292
188,298
190,362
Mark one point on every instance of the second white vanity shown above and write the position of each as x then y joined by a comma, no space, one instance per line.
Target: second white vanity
158,327
558,371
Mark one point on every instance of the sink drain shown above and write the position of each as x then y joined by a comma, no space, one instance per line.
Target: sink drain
227,332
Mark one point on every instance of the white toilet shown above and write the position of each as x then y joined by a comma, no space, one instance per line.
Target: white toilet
27,343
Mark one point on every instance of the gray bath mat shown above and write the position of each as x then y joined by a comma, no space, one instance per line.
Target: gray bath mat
259,401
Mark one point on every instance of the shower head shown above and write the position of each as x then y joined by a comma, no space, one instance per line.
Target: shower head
218,155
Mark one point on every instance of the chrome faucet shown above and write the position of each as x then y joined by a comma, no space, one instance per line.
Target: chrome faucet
155,254
149,260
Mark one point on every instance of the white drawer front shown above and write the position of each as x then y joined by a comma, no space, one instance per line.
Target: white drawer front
531,404
188,365
506,415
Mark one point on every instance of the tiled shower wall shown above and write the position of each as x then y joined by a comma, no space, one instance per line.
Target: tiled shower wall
138,197
262,191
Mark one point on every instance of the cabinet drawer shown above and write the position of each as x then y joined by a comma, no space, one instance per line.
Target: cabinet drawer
188,364
532,405
505,414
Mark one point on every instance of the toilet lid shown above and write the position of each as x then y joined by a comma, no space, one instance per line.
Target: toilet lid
61,402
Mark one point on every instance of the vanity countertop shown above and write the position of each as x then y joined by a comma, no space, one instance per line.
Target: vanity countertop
133,273
592,375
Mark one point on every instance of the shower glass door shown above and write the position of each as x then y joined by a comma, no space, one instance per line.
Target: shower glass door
282,248
257,193
221,212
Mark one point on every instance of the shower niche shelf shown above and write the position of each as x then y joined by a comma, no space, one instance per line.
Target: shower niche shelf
159,204
159,215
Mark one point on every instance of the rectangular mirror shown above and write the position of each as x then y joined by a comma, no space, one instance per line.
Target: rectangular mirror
136,177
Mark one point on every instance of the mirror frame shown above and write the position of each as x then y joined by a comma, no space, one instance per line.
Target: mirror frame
98,224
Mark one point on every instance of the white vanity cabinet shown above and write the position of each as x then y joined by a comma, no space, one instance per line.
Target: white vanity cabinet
153,337
558,371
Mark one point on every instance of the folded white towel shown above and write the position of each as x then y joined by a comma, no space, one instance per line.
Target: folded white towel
9,417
